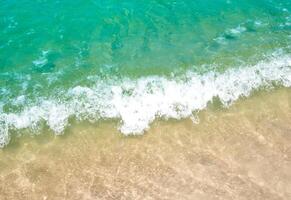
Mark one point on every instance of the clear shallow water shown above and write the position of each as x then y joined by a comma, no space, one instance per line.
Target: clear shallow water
134,61
222,156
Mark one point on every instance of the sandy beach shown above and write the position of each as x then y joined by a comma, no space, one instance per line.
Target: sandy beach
243,152
145,100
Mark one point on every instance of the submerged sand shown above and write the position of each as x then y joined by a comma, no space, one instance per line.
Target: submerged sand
243,152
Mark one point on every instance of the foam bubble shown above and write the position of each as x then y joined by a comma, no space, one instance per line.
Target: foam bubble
137,103
237,30
20,100
230,34
42,60
4,135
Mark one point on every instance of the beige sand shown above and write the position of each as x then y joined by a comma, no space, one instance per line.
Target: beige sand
243,152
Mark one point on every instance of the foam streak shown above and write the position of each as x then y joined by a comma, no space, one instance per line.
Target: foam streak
139,102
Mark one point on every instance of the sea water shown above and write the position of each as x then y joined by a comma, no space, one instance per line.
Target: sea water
135,61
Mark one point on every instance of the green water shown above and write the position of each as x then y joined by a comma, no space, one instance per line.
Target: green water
48,47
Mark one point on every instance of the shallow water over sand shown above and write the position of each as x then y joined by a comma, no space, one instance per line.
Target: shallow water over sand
243,152
135,61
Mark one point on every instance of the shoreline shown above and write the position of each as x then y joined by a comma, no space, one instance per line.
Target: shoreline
137,103
242,152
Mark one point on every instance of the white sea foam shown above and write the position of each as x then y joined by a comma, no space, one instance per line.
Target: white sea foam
139,102
238,30
42,60
234,32
20,100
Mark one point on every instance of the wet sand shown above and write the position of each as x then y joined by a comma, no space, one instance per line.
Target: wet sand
243,152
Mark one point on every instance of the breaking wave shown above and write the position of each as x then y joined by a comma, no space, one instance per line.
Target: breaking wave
138,102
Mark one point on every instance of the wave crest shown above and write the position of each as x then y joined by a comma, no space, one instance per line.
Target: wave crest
139,102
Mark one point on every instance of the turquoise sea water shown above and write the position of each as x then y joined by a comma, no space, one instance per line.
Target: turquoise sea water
134,60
